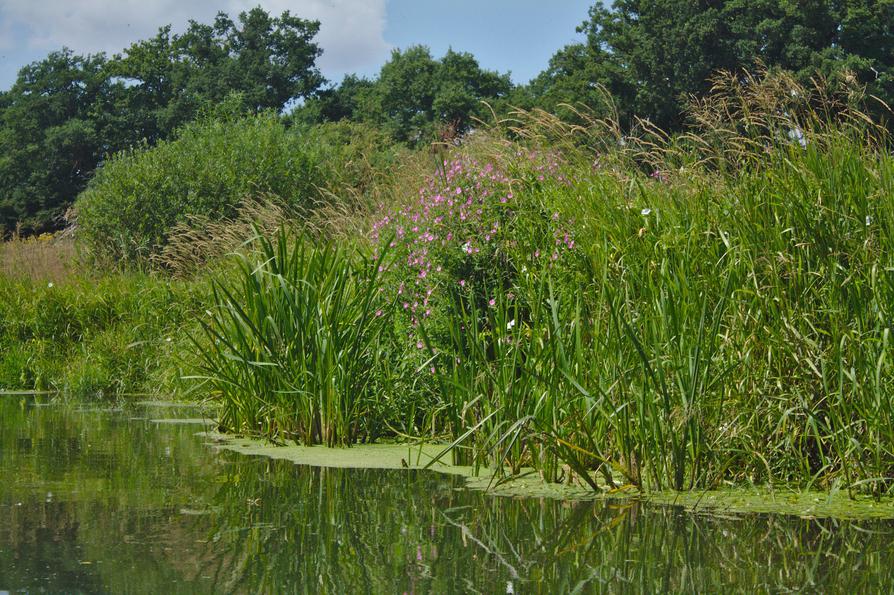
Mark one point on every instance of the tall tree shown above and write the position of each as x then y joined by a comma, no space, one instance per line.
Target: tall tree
51,137
414,95
268,61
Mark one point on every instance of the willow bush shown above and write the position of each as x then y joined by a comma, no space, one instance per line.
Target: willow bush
137,197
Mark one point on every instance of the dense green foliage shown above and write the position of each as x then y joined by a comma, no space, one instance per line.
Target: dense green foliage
641,58
55,124
66,113
653,54
131,205
724,318
88,337
623,306
267,61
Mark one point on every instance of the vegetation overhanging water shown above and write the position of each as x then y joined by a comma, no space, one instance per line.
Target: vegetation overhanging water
647,312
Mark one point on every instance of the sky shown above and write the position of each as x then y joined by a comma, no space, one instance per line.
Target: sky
357,36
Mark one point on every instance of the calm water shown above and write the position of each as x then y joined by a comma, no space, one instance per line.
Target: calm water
111,501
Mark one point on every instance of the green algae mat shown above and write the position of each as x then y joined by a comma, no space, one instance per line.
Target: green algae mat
807,504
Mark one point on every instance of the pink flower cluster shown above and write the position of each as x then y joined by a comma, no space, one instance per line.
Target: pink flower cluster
460,219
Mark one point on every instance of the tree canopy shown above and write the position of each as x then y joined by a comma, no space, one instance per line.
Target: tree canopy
414,95
653,54
66,112
268,61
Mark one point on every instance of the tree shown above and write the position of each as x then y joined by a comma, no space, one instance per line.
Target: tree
341,102
51,130
413,96
65,113
577,76
653,54
269,61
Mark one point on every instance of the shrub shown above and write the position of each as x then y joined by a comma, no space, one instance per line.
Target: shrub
129,208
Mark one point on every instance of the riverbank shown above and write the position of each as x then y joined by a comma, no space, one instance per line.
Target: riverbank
670,313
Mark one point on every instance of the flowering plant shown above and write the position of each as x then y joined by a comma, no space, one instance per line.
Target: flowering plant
467,227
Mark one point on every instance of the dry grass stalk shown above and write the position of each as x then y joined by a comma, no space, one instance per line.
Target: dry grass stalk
44,258
199,240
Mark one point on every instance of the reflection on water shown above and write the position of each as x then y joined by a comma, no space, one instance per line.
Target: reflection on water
94,501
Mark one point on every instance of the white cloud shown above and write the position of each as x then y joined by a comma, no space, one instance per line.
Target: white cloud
351,32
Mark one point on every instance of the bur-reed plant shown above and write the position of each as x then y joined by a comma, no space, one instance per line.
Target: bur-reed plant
291,349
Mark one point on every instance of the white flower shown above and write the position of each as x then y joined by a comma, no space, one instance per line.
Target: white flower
868,220
645,212
510,324
50,284
796,134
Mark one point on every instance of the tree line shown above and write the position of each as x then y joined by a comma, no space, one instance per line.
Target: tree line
67,112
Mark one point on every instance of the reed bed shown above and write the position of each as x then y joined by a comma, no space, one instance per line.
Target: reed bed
604,307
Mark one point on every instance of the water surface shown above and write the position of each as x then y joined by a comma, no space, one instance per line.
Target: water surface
106,501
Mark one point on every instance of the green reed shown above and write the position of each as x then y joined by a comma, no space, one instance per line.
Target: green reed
708,330
291,348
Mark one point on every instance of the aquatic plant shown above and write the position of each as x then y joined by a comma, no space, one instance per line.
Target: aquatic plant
290,351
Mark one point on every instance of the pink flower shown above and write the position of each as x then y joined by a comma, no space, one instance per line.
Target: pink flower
462,282
492,302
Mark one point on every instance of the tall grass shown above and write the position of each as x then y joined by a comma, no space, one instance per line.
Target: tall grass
47,258
85,337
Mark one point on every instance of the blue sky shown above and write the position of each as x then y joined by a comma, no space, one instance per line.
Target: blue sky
357,35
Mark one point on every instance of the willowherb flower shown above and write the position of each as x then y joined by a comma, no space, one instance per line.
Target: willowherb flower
465,214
